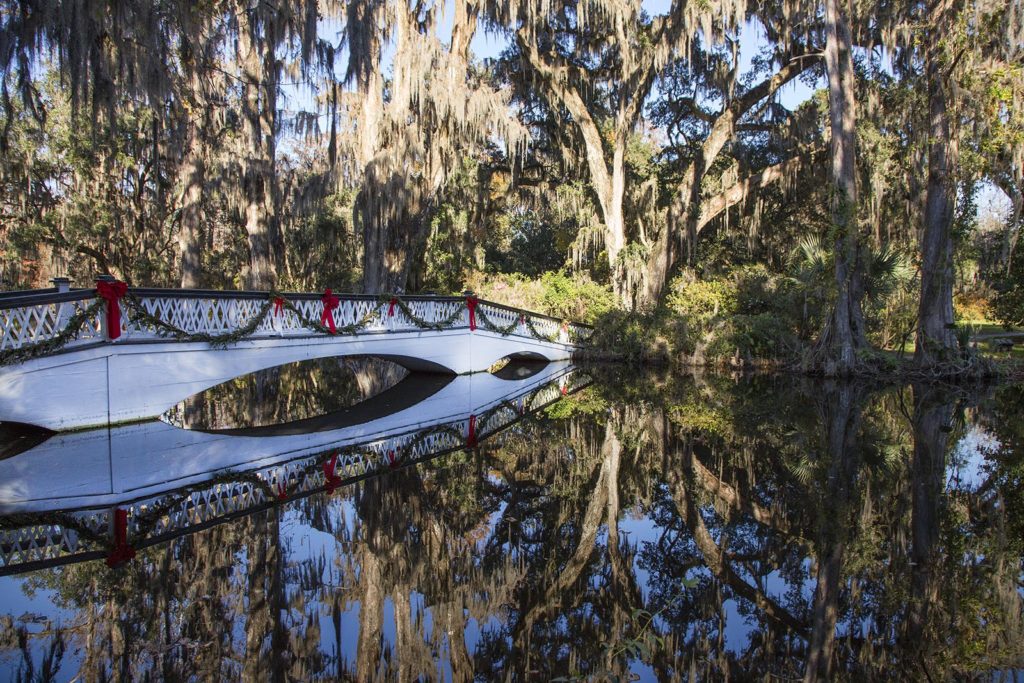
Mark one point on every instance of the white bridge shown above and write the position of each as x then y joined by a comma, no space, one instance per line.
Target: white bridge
66,363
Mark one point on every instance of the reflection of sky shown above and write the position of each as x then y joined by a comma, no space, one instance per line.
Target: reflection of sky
968,461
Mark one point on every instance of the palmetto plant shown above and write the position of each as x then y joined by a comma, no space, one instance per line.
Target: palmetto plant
812,267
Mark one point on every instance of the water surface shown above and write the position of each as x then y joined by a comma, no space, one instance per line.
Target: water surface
652,527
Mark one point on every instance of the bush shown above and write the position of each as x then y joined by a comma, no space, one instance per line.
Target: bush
574,297
628,336
748,312
1008,303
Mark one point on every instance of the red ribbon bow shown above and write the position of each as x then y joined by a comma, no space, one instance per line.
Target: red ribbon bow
112,292
278,306
471,302
330,303
522,318
471,432
122,552
333,480
391,306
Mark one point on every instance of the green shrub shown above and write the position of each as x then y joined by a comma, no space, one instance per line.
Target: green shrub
700,301
576,297
630,336
1008,303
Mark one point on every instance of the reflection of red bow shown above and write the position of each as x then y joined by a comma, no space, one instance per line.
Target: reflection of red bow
330,303
333,480
282,492
112,292
121,552
391,306
392,460
471,432
278,305
522,318
471,302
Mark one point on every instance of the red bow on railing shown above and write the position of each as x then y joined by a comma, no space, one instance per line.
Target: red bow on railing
121,552
112,293
471,432
278,306
330,303
471,302
391,306
333,480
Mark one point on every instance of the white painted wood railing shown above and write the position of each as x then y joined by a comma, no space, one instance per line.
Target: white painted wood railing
29,318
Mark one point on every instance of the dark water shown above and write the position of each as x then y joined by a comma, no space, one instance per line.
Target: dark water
645,526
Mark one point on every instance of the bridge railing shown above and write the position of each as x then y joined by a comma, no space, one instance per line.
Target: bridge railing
48,316
41,322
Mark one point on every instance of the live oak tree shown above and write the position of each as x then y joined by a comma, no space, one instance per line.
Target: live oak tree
409,144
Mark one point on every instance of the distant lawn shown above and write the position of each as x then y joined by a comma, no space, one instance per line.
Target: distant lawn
990,332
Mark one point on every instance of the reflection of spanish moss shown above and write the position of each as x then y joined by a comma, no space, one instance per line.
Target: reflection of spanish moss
740,513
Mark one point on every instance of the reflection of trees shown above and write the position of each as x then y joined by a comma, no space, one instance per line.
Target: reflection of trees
295,391
814,526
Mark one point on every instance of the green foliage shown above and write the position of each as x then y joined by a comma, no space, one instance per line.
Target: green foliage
628,336
1008,303
575,297
322,248
749,312
556,293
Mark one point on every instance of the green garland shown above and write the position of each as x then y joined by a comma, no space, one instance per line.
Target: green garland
419,322
165,329
487,323
62,519
537,333
317,326
55,343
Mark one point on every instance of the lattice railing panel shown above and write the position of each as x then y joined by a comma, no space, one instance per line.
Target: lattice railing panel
26,325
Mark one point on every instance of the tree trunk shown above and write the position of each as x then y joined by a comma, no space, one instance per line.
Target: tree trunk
190,235
936,330
933,413
841,408
615,225
836,352
258,165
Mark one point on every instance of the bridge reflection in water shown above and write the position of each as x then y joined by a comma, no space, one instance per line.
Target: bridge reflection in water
109,492
659,527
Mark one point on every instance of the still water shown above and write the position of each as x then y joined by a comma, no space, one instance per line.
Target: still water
346,520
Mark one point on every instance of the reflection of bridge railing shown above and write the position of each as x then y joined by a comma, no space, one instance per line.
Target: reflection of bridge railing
30,541
46,321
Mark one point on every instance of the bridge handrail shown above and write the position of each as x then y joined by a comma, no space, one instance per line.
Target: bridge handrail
40,322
